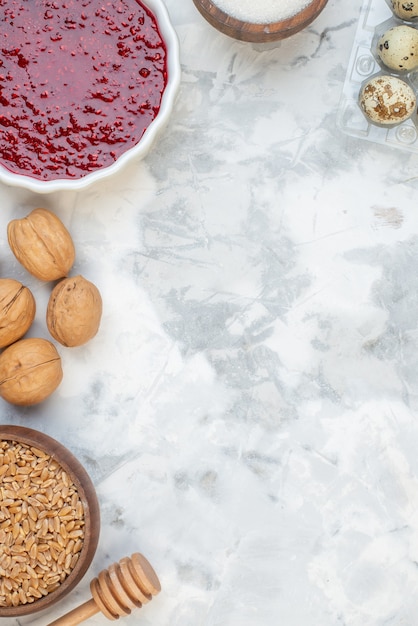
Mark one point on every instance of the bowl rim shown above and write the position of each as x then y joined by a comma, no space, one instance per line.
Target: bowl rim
259,32
88,496
140,149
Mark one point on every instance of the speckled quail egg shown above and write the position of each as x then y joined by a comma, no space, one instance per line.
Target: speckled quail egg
397,48
404,9
387,100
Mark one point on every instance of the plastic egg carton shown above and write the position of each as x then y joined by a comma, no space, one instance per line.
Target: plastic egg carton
376,17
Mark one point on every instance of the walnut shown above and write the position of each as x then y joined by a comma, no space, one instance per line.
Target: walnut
74,311
42,244
17,310
30,370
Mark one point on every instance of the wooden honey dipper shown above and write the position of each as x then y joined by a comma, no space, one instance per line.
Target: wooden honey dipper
125,585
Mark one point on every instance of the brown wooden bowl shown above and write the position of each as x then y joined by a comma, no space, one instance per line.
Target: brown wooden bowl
259,33
82,482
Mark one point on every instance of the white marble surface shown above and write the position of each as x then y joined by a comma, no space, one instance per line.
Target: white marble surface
248,411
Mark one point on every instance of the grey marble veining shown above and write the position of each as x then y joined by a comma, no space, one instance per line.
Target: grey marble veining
248,411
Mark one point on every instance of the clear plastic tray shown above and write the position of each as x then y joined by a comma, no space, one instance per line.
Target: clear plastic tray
362,65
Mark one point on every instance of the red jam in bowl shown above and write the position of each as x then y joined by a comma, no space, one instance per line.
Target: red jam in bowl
80,82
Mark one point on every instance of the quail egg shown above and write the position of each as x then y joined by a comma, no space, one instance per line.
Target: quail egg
404,9
387,100
397,48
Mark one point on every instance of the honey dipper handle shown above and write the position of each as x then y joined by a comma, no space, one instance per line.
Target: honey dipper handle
77,615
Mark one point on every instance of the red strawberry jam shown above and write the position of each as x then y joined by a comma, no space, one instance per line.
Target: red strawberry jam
80,82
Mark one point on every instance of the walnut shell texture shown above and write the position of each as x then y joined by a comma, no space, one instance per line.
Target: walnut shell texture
42,244
74,311
30,370
17,310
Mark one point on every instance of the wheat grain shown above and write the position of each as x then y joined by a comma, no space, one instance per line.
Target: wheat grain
41,524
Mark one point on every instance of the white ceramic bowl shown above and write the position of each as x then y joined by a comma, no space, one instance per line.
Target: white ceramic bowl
140,149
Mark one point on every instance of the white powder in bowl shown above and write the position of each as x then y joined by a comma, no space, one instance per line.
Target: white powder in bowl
261,11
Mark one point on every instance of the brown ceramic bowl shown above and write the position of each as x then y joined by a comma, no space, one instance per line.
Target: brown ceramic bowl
78,480
259,33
